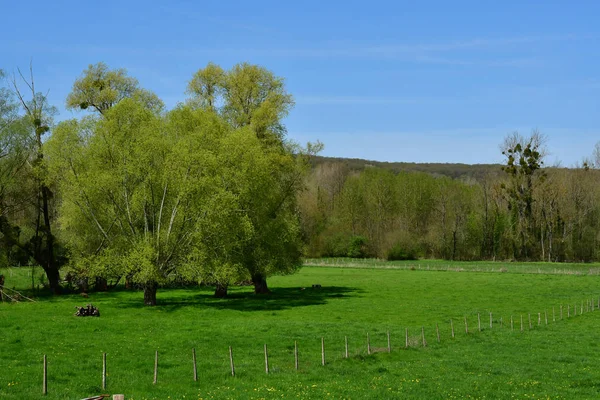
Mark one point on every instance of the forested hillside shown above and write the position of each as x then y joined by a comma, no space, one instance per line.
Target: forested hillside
517,211
478,171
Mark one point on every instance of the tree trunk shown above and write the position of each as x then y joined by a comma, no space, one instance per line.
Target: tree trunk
53,279
260,284
128,282
101,285
220,291
150,289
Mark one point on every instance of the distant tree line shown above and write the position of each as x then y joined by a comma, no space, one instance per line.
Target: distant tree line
521,210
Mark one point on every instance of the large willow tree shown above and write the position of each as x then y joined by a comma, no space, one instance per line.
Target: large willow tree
252,98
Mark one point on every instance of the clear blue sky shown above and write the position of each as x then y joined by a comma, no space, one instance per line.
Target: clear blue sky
417,81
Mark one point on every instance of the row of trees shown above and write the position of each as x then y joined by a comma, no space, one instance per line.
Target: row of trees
522,211
212,192
205,192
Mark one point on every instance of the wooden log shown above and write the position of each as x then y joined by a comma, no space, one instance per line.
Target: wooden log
195,365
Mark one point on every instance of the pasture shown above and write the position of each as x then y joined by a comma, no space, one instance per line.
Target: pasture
559,360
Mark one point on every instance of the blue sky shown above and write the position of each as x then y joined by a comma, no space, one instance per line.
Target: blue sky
418,81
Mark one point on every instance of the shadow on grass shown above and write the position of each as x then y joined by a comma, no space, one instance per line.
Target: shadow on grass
279,299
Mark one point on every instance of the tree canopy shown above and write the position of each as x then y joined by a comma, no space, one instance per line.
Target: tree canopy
100,88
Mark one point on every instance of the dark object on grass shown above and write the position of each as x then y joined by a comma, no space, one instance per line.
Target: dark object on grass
317,286
87,311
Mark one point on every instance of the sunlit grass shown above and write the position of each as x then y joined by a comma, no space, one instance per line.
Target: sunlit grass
558,360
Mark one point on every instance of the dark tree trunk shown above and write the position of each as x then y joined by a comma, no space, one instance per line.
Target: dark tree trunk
128,282
220,291
260,284
150,289
53,279
101,284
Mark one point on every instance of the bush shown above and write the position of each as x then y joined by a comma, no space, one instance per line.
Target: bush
357,247
399,252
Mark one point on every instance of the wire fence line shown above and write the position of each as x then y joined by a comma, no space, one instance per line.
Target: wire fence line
413,338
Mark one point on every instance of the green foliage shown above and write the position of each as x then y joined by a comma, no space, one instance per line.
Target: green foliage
246,95
101,88
357,247
400,252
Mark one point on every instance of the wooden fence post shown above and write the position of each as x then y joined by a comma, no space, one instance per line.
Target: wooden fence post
231,361
478,322
521,322
368,344
491,321
389,342
452,328
466,326
346,345
511,323
406,338
45,377
423,336
195,367
155,367
296,354
266,360
322,351
103,371
437,332
546,317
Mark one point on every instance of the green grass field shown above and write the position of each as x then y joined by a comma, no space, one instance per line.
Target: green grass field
558,360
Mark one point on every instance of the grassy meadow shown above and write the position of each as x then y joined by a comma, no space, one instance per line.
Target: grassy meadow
560,360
